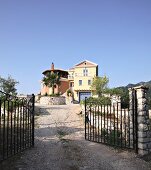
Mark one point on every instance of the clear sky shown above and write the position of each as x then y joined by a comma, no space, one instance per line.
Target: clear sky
116,34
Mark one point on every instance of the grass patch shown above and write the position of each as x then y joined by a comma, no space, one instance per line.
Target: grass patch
61,133
64,141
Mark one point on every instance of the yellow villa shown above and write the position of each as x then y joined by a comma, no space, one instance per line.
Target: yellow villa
80,78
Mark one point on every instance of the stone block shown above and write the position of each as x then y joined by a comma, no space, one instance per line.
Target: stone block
143,140
149,145
140,95
141,101
142,107
149,135
142,113
142,146
142,152
142,134
142,127
147,121
141,119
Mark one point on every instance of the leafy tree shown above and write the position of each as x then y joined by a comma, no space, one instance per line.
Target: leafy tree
102,100
124,98
97,101
8,85
123,93
99,85
51,79
114,91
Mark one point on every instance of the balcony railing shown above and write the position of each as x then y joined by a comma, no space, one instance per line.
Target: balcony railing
82,75
70,77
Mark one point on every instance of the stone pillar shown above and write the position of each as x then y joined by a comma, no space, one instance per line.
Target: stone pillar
144,126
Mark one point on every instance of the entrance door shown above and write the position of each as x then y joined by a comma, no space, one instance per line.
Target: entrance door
82,95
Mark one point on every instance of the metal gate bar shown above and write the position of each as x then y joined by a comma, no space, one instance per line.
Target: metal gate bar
111,125
16,124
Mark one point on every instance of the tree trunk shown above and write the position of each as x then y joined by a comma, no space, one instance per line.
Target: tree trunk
53,89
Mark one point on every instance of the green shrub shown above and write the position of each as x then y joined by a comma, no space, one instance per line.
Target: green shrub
11,105
69,93
97,101
51,95
112,137
54,95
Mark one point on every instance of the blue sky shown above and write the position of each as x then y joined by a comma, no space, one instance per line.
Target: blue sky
116,34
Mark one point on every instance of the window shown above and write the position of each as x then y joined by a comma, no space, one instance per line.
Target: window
89,82
80,82
85,72
71,84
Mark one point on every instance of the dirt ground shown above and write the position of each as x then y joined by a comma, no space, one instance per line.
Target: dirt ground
60,145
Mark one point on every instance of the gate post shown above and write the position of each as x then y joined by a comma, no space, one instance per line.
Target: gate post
85,106
143,125
33,119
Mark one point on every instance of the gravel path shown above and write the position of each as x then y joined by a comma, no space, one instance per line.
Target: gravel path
60,145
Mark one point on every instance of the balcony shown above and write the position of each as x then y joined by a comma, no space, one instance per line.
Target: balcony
82,75
70,77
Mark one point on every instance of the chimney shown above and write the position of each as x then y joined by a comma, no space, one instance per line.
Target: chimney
52,66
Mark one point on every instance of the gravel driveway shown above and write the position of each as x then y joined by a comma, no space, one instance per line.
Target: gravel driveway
60,145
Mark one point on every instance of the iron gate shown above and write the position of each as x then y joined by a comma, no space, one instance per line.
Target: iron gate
16,124
112,125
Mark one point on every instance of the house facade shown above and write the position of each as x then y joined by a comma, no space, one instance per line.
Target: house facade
62,87
80,79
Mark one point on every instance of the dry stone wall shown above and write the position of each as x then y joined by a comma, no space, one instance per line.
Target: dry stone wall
47,100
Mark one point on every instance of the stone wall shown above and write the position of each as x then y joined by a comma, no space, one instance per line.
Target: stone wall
47,100
69,99
37,98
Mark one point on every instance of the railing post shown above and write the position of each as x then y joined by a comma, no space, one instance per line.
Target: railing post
135,120
85,115
130,133
33,118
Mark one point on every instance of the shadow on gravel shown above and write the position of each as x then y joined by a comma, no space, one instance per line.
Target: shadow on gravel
55,131
67,154
46,110
41,111
43,124
147,158
44,145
